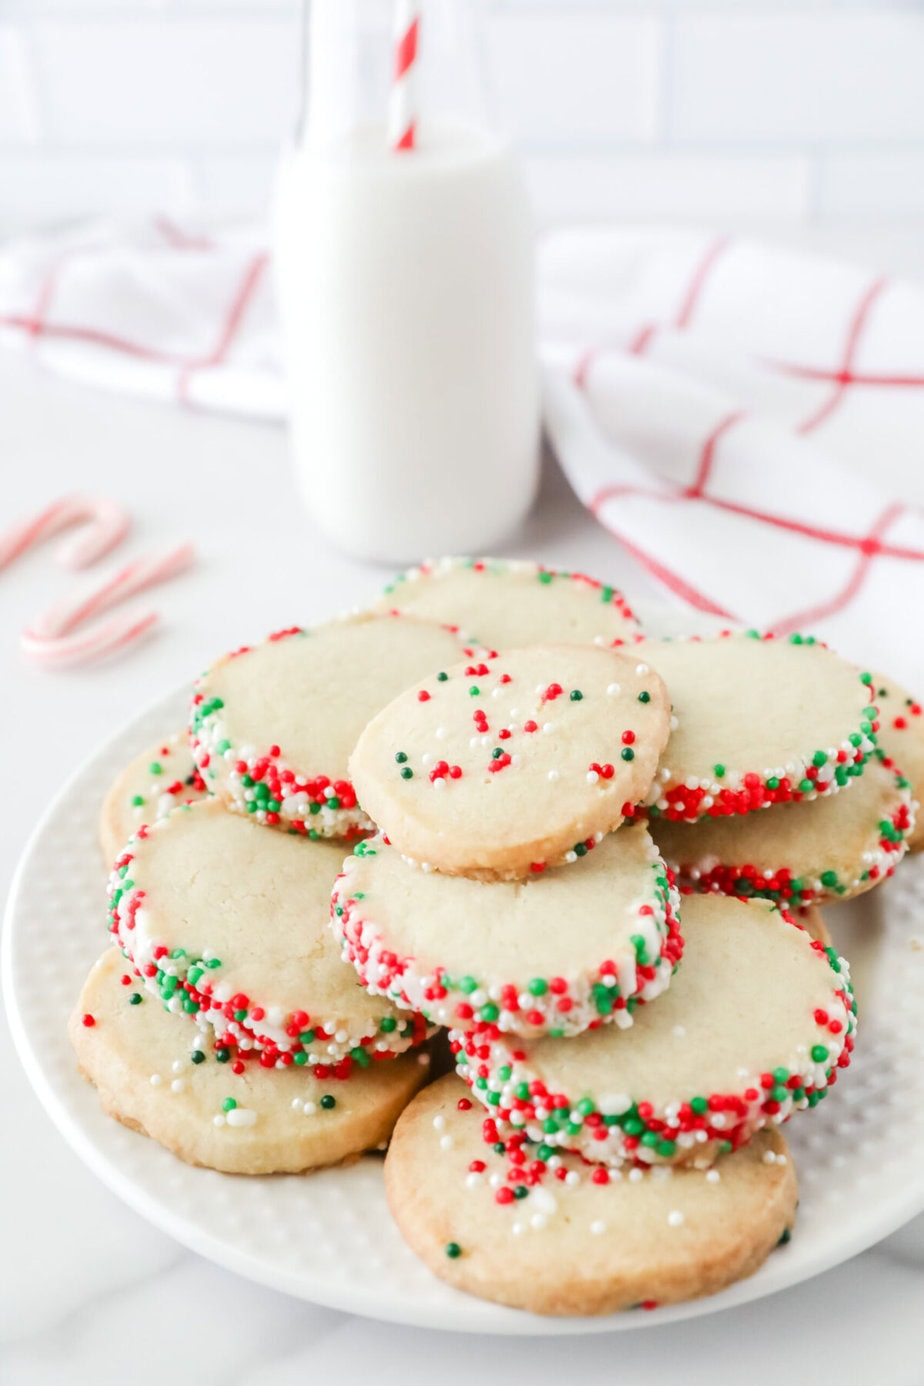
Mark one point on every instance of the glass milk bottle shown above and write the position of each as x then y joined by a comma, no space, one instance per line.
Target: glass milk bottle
405,277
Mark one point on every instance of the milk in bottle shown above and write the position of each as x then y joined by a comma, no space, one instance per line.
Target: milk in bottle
405,282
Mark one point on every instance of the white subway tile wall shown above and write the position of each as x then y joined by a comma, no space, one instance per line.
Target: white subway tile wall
794,112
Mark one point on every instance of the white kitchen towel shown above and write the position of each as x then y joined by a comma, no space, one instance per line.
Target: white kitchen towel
720,405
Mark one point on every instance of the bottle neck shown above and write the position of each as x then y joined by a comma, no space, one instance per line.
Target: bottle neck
348,65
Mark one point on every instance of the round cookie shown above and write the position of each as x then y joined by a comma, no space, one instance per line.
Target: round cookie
761,720
901,737
505,604
155,782
231,925
466,952
579,1244
151,1076
830,848
753,1027
272,726
509,763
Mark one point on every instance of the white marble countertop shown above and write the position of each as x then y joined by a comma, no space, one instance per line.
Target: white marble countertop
91,1293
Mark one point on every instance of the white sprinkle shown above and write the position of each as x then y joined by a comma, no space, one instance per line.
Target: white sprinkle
309,1109
446,1142
439,1123
572,1178
613,689
538,1221
156,1080
592,777
496,1180
178,1065
642,669
769,1157
178,1085
473,1180
241,1116
675,723
675,1218
517,1229
680,1031
426,758
552,775
440,733
597,1228
296,1104
548,726
635,1175
713,1176
218,1120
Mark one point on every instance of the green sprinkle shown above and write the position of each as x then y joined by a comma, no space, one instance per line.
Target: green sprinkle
718,771
135,999
474,691
197,1056
228,1105
538,986
628,753
441,678
806,786
156,768
785,1236
300,1059
453,1250
544,577
407,773
400,757
489,1012
222,1055
328,1102
819,1053
520,1191
467,985
644,697
819,759
137,800
576,695
387,1024
828,878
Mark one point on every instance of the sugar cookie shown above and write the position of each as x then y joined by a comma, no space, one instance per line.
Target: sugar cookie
230,924
154,1075
760,721
505,604
829,848
588,1241
754,1026
147,789
509,763
273,726
553,954
901,737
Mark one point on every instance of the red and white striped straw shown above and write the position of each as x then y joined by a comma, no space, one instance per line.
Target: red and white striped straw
402,131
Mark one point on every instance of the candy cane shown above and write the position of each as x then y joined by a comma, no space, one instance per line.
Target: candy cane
403,112
52,639
84,648
106,525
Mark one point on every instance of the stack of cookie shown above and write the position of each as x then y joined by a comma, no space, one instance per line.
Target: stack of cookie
520,773
503,899
225,1024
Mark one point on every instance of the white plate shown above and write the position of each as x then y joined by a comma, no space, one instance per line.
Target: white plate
328,1237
